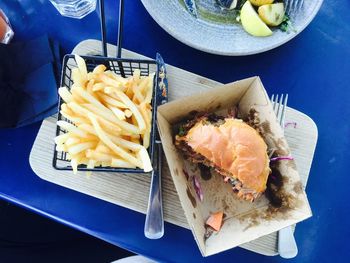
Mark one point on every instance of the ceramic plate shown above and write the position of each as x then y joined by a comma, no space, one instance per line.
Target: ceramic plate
216,31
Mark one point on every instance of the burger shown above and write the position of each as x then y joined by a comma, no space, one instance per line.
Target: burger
231,147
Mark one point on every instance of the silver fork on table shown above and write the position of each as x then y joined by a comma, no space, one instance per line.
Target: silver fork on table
293,6
287,247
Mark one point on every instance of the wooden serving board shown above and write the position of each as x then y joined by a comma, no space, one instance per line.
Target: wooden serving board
131,190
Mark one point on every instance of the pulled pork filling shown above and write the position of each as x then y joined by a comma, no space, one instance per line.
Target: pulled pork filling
181,144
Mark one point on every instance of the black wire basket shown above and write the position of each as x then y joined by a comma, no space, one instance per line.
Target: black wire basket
122,66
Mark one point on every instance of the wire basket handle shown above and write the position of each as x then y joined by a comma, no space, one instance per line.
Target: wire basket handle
103,28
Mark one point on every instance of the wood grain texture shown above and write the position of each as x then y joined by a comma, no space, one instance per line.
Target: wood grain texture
131,190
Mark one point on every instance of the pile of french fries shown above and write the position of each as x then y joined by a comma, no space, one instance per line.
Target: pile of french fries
110,119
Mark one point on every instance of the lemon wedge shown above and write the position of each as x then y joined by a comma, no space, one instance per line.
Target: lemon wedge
252,23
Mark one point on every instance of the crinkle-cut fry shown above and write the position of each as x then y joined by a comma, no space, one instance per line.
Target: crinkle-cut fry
143,155
99,69
73,129
80,147
121,163
81,66
108,142
140,121
112,101
65,94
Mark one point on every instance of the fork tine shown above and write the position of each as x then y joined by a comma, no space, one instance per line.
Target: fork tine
279,105
279,109
301,3
286,5
283,115
293,6
275,104
290,8
272,100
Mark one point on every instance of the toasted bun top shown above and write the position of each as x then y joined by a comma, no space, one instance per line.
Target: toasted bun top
234,147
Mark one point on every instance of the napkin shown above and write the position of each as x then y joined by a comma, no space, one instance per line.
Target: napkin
29,74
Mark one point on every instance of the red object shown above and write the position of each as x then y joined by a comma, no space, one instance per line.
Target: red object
3,27
6,32
215,220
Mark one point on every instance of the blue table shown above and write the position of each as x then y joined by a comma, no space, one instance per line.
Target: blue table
314,68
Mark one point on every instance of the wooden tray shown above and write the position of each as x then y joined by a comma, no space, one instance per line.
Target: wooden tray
131,190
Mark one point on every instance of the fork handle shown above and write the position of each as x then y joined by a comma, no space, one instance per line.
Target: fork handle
154,224
287,247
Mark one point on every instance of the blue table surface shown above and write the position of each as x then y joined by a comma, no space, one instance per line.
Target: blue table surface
314,68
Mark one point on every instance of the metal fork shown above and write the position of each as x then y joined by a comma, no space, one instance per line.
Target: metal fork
279,105
287,247
293,6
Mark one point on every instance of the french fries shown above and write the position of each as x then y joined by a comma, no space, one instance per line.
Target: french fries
108,119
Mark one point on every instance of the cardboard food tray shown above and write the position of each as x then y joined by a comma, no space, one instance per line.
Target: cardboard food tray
131,190
245,221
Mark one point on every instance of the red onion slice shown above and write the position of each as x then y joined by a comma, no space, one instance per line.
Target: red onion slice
280,158
198,188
